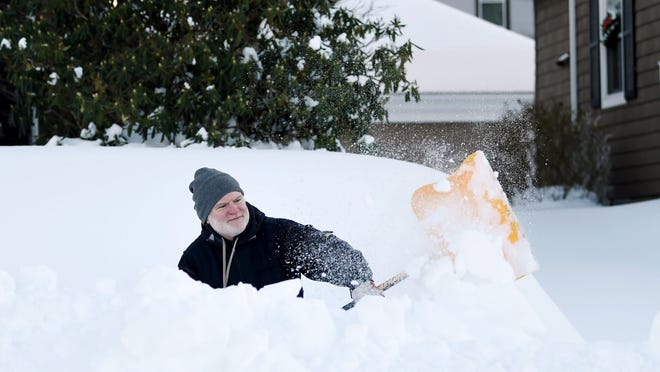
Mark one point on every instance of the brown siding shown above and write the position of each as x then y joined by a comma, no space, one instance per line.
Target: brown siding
631,159
582,42
630,175
621,121
634,128
635,144
636,190
551,25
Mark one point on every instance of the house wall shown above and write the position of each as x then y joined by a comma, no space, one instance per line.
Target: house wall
551,24
520,12
468,6
634,128
455,107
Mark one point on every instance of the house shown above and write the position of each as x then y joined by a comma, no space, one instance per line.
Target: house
515,15
603,56
470,72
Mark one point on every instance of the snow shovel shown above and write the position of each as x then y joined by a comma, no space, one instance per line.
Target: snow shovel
472,198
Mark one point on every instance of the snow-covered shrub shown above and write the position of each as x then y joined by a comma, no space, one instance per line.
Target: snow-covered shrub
114,136
242,70
89,132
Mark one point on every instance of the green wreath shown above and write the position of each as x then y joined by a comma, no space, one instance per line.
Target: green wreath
610,28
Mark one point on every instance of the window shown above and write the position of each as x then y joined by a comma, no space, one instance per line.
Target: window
612,51
493,11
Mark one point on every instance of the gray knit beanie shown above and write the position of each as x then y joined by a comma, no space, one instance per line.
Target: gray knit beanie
209,186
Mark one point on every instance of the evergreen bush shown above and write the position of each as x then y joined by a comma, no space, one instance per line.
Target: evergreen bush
236,70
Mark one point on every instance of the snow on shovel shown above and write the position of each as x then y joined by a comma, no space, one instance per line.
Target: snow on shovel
472,200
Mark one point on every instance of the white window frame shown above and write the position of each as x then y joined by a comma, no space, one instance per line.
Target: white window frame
611,99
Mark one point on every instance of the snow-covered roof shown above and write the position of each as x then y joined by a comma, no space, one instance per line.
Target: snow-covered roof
462,53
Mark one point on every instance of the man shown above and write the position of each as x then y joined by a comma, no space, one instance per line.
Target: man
240,244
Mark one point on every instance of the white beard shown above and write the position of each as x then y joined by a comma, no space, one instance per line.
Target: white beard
230,230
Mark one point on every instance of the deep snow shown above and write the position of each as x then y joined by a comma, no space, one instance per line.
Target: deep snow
91,236
600,264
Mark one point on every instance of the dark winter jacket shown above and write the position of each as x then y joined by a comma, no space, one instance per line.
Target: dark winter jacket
271,250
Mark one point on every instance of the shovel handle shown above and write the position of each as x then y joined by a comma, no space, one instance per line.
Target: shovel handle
382,286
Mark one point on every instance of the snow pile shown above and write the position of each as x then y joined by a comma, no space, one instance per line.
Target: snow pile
599,264
168,322
88,279
655,336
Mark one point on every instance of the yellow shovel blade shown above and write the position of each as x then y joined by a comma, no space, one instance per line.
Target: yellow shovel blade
471,197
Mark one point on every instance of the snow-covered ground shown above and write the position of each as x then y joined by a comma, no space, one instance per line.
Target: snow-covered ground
601,265
90,238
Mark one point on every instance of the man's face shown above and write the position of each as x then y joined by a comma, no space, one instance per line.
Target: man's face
229,216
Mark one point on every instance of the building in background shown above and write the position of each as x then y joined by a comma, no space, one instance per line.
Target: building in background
468,70
470,73
515,15
603,56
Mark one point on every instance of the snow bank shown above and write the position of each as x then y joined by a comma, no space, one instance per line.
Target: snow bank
599,264
91,238
167,322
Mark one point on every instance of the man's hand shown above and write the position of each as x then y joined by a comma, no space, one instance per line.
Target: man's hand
364,289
